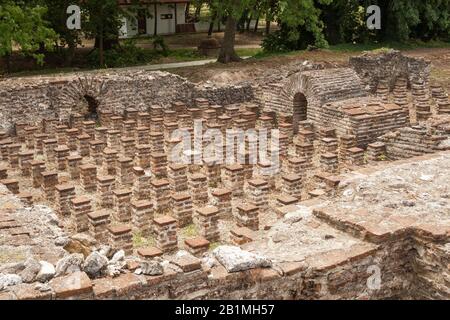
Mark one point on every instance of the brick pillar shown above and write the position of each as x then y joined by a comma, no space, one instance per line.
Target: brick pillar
169,129
165,229
49,182
197,246
83,145
113,139
99,222
29,136
20,130
143,156
37,167
198,186
3,172
160,194
64,195
4,147
329,162
258,193
13,155
72,135
62,153
73,163
346,142
122,205
25,159
182,208
208,223
143,135
156,111
178,177
61,134
305,150
116,122
105,118
141,185
221,198
49,125
88,178
287,130
213,172
376,152
129,129
296,165
12,185
39,142
144,119
157,125
110,157
125,171
128,147
356,156
96,151
105,187
247,215
157,142
170,116
89,129
329,145
158,164
234,179
121,238
142,216
131,114
101,134
76,121
292,185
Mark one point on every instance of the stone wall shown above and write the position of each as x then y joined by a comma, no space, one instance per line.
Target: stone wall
390,66
32,99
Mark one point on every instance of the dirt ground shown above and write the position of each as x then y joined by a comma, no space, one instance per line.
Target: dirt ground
251,68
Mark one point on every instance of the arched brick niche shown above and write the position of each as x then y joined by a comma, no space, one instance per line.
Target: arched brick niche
303,94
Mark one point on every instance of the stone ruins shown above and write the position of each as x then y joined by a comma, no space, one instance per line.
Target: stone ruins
94,207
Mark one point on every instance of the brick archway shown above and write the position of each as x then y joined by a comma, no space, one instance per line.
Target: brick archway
300,110
84,95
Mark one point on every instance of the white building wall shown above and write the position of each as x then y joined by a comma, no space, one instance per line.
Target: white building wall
165,26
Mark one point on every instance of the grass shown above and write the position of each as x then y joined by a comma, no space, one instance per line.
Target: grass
214,245
190,231
139,241
360,47
186,55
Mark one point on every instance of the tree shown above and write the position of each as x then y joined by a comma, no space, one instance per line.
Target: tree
102,22
23,27
57,17
233,11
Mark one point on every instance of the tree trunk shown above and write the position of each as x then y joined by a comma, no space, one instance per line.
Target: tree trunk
227,53
211,25
256,24
249,22
101,49
268,23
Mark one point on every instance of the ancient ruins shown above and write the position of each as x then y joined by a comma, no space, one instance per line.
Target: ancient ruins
92,205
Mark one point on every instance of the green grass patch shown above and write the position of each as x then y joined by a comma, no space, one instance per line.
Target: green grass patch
190,231
139,241
214,245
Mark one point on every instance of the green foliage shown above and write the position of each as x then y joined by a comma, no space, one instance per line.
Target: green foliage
22,27
126,54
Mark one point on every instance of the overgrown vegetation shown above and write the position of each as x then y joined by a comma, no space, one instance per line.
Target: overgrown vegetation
37,28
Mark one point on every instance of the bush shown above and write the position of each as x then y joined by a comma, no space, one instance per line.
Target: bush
126,54
286,39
